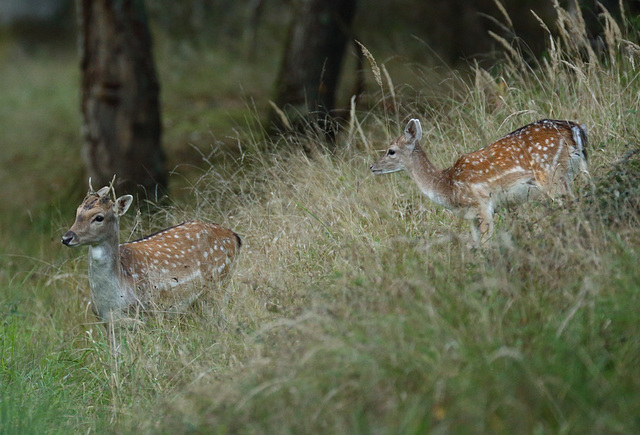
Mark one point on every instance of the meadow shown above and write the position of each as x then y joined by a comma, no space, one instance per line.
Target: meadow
356,306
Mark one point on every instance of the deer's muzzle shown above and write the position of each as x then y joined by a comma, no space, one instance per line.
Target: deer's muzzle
70,239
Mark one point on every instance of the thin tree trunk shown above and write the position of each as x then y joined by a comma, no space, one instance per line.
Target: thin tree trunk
120,96
308,78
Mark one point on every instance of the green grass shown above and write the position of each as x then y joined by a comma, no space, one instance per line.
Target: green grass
356,306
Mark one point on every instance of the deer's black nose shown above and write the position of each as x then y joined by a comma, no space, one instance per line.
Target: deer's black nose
68,237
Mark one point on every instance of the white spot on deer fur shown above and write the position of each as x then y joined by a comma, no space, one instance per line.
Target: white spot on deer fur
221,268
166,261
206,254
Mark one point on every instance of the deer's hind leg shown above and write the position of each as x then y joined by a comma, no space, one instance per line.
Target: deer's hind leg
482,225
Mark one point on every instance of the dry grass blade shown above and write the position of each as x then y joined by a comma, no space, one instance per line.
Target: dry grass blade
504,13
542,23
554,54
623,15
352,120
283,117
612,34
516,58
392,90
374,65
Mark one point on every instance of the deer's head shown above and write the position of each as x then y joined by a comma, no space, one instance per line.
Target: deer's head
97,218
398,154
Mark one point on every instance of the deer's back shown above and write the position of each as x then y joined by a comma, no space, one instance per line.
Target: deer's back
173,265
536,156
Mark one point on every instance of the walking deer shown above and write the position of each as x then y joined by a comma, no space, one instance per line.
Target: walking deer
164,271
542,157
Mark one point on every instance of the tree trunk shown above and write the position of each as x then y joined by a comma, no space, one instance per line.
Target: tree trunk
306,85
120,96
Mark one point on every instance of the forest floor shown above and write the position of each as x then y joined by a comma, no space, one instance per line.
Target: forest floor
356,305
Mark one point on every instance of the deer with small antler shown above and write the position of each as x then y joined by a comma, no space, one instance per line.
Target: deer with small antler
164,271
543,157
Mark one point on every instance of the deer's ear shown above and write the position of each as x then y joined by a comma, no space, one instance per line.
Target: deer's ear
122,204
413,132
102,192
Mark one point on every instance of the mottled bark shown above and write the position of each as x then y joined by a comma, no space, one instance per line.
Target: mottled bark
120,96
312,61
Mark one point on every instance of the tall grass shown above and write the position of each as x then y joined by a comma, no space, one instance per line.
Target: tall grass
362,310
356,306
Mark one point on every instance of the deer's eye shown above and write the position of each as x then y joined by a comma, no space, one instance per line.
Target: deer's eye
390,152
98,218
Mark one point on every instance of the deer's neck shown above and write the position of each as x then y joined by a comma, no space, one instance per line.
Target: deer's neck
109,292
433,182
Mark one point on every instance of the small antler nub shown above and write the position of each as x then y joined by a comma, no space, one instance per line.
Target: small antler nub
112,188
91,191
